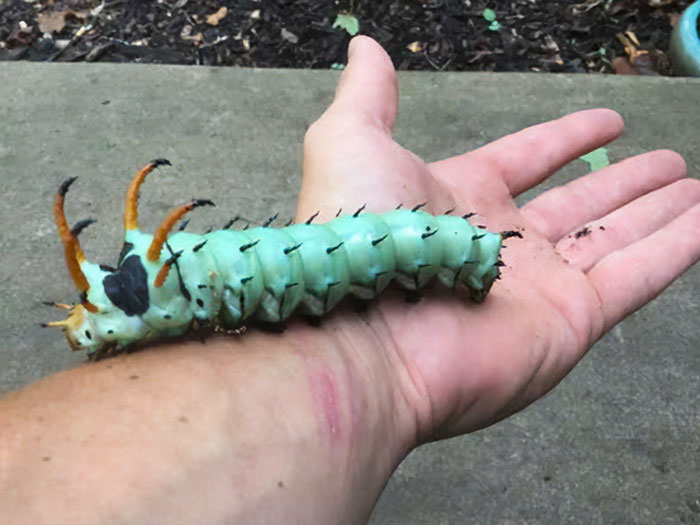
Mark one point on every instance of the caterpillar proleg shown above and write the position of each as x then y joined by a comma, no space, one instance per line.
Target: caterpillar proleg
168,282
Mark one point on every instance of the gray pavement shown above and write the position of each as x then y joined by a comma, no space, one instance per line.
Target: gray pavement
617,442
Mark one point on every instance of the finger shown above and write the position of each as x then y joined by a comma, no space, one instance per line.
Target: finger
629,224
629,278
566,208
368,84
525,158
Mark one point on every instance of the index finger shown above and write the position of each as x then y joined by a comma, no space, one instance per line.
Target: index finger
525,158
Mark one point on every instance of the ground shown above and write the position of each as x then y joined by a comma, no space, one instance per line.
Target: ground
595,36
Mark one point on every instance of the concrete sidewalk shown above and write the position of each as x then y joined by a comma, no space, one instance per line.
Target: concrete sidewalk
617,442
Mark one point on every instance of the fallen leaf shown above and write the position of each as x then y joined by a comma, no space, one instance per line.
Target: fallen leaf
416,47
622,66
596,159
55,21
289,36
215,18
348,22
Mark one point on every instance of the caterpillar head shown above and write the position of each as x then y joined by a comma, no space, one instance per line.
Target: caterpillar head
114,301
111,301
94,329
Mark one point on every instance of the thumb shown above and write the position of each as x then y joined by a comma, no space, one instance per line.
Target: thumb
368,85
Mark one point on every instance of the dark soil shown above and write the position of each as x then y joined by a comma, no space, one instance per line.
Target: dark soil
595,36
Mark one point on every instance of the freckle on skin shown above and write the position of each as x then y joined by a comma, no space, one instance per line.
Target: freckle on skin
46,458
183,419
134,377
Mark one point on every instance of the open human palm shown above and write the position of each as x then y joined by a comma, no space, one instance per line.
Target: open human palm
462,365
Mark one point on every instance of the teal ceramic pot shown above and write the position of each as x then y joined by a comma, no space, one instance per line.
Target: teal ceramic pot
685,43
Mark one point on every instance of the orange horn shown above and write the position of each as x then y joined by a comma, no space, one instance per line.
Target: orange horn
166,226
71,246
131,213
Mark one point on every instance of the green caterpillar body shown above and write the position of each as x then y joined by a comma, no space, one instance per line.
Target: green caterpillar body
227,277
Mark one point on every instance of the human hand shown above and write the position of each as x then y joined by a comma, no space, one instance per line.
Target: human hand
462,366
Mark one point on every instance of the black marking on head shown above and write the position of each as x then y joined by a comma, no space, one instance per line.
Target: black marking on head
183,225
269,221
248,246
449,211
106,268
126,248
418,206
289,250
160,162
429,234
201,286
209,230
200,303
110,331
290,285
339,210
81,225
199,246
196,203
88,334
311,219
499,264
334,248
127,288
377,241
288,223
231,222
246,279
468,215
167,316
359,210
399,206
63,188
478,236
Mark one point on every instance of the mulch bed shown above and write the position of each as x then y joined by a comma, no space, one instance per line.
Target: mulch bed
594,36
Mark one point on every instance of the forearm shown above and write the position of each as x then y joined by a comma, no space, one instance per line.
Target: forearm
259,428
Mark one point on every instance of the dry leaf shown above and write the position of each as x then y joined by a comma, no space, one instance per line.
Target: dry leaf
56,20
416,47
623,67
214,19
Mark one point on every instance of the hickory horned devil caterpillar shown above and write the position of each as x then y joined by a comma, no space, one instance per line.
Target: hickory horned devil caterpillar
166,284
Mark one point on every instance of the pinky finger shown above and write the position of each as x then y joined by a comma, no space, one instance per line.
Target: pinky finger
629,278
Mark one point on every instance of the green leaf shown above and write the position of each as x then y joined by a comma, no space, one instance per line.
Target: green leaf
495,26
597,159
337,66
489,15
348,22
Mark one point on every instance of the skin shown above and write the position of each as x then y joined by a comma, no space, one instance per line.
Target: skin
308,426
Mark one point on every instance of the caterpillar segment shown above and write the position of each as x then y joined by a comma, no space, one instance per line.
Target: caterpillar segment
169,282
